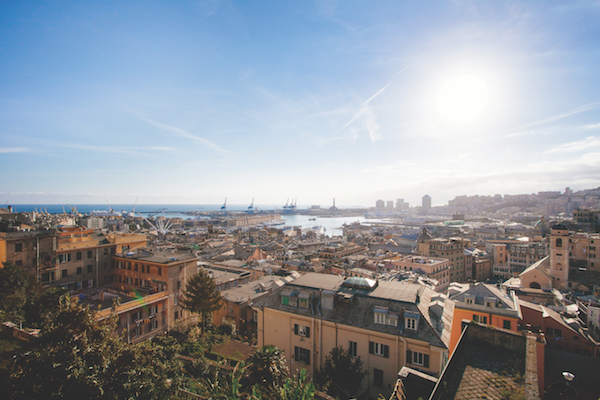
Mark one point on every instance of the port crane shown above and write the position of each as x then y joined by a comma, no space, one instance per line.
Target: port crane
251,206
224,206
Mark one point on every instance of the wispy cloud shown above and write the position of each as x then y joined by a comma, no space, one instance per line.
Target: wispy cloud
585,144
594,126
523,129
185,134
112,149
365,109
13,149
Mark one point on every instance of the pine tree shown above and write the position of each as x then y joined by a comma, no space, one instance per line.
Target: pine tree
200,296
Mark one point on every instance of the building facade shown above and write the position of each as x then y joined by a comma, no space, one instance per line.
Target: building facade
387,324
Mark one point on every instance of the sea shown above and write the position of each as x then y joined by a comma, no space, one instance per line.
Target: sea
331,225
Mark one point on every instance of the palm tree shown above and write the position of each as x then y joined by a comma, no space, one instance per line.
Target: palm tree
268,367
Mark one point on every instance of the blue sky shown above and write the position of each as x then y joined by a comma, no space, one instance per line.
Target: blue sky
195,101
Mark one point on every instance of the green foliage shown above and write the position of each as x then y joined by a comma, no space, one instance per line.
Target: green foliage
16,287
78,356
267,367
201,296
228,327
226,387
297,389
341,375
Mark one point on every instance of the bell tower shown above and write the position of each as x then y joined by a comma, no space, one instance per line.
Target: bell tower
559,256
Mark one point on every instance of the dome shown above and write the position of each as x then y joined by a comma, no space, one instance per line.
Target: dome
424,236
560,227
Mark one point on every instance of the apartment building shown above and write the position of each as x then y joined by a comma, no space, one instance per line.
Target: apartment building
82,257
522,255
144,272
450,249
487,305
499,257
435,268
389,324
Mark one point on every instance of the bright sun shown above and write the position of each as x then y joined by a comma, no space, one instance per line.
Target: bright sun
462,99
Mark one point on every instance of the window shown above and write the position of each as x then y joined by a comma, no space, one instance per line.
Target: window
19,263
135,267
63,273
411,323
79,270
416,358
178,284
89,268
78,255
89,255
380,318
154,325
303,302
352,349
379,349
105,252
143,268
506,324
153,310
302,355
135,316
480,319
176,314
469,301
129,265
553,331
302,330
377,378
159,270
18,247
64,258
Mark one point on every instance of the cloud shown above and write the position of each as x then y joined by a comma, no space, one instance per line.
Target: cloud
4,150
365,109
554,118
114,149
585,144
185,134
595,126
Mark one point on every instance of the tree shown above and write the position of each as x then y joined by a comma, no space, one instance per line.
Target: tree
267,367
341,373
297,389
200,296
79,356
16,287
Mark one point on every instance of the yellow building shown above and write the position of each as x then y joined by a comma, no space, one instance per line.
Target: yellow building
142,273
450,249
389,324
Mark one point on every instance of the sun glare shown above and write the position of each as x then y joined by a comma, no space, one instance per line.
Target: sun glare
462,99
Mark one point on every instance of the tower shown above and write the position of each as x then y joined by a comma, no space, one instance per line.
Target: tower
559,255
426,204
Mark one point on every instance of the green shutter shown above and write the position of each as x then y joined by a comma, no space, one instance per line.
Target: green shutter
285,300
408,357
426,360
307,331
371,347
296,329
386,351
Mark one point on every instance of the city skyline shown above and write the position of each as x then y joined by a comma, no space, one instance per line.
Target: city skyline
192,102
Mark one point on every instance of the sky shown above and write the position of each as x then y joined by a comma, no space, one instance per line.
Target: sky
192,102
